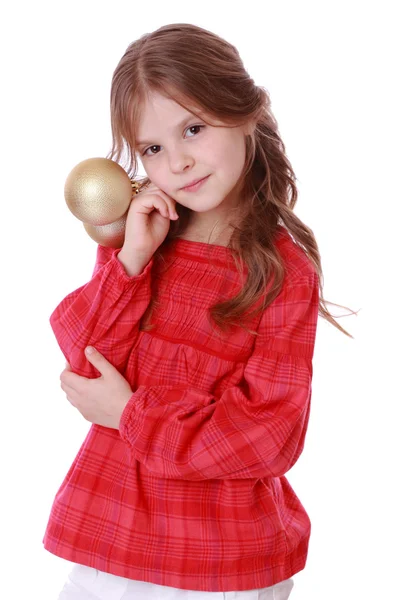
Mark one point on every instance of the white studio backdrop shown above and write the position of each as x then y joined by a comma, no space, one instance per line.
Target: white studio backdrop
331,72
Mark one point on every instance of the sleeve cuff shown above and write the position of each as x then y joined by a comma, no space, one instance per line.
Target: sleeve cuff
128,414
122,275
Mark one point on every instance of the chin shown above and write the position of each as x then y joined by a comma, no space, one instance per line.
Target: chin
202,205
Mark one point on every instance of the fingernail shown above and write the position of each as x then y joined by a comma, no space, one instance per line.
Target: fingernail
89,350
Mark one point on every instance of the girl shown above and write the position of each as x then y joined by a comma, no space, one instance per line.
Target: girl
203,326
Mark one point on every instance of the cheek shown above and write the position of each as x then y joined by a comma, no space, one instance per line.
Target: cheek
160,178
228,153
233,160
153,172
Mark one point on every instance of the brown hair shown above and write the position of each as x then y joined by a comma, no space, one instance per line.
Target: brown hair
194,66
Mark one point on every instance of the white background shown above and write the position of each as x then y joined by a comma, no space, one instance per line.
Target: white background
331,71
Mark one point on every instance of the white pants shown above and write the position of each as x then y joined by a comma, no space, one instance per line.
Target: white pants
86,583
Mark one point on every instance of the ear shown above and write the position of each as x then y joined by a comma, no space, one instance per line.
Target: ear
249,127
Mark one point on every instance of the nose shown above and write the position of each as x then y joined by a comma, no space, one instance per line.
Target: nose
179,160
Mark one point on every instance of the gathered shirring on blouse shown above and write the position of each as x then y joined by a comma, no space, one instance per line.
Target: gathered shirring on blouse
191,491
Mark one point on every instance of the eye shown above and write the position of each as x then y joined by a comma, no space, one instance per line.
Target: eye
149,148
195,127
156,146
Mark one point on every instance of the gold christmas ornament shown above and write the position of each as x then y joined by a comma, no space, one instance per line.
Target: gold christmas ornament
112,234
98,192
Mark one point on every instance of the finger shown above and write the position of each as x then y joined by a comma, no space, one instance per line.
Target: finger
70,394
160,205
73,380
161,201
154,201
100,362
171,204
166,208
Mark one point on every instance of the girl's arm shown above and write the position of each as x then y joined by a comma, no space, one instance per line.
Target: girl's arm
252,430
105,313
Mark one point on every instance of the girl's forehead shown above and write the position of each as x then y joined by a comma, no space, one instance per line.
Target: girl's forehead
180,110
178,104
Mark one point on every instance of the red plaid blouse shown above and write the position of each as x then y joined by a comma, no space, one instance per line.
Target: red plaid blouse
191,491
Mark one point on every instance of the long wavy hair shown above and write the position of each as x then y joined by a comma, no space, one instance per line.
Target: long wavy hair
197,68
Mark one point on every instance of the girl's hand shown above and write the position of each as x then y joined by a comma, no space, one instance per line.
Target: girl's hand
100,401
148,222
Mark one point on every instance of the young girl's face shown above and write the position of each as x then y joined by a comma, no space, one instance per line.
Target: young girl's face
177,148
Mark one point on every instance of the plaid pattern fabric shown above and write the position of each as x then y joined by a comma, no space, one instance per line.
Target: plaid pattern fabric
191,491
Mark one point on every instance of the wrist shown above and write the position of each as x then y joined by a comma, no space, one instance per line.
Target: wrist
132,266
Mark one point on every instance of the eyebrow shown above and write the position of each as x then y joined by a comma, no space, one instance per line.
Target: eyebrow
178,126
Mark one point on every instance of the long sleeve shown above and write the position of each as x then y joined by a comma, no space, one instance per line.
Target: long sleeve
105,313
255,429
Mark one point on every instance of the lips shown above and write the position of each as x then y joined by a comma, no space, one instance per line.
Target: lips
193,182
